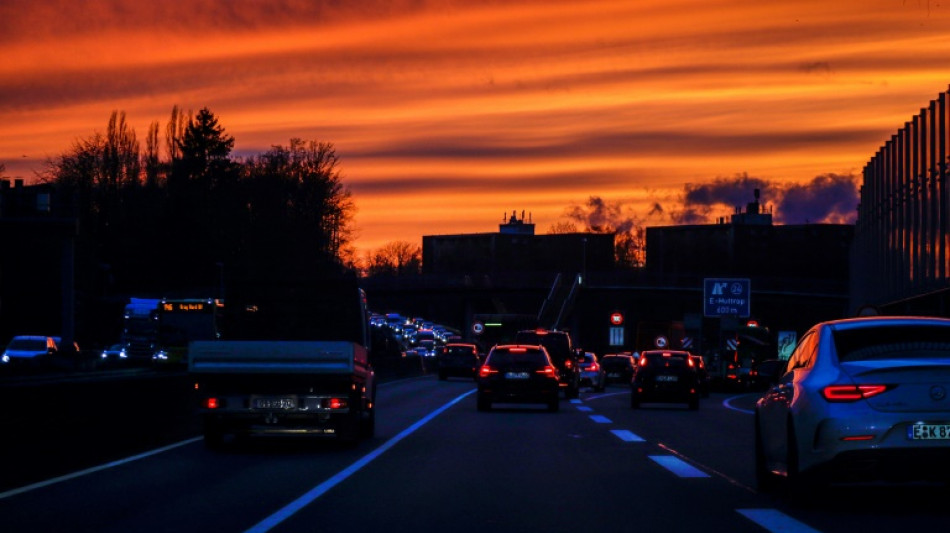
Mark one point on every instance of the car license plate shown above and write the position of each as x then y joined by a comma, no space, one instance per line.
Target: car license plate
516,375
928,432
275,403
613,375
667,378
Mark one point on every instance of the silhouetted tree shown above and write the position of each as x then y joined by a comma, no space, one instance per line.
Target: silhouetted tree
397,258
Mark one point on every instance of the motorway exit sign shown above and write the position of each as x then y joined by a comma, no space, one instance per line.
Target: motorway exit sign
726,297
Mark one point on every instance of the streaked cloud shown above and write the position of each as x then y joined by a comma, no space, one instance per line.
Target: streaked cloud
448,113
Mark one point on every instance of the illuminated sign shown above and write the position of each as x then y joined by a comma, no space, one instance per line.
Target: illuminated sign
185,307
616,318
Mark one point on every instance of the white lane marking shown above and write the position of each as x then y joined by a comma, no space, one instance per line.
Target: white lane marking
95,469
627,435
678,466
601,419
290,509
727,403
575,400
585,408
775,521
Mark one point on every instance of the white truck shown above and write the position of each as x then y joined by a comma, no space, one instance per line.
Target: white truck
294,365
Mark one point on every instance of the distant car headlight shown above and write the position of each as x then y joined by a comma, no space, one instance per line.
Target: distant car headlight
122,354
105,355
160,355
5,358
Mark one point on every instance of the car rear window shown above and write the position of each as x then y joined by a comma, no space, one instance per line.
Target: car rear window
892,342
503,356
674,359
459,350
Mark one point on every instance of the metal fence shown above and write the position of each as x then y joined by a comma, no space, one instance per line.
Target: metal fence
900,250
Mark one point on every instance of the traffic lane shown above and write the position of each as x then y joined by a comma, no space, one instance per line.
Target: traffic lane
520,468
190,488
720,438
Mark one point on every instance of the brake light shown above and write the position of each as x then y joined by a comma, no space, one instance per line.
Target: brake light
851,393
691,363
568,363
212,403
486,370
547,371
335,403
643,361
594,367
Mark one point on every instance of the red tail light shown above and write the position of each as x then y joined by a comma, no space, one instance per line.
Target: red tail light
335,403
851,393
486,370
594,367
643,361
547,371
691,362
212,403
568,363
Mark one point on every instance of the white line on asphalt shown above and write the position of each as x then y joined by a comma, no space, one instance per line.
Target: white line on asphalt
775,521
95,469
290,509
678,466
600,419
627,435
727,403
585,408
575,400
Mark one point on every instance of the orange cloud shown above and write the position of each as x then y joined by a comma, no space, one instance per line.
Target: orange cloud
448,113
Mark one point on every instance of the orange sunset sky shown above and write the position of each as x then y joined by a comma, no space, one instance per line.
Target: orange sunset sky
448,114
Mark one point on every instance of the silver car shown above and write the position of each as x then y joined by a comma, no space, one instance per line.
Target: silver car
862,399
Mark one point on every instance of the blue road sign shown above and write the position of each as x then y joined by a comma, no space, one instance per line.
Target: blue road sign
726,297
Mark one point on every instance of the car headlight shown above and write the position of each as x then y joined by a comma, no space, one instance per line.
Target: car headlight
5,358
160,355
105,355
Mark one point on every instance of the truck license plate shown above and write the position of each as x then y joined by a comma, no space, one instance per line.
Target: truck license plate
275,403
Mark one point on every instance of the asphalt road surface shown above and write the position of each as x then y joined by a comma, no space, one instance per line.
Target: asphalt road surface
437,464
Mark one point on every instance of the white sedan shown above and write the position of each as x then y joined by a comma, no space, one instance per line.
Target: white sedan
863,399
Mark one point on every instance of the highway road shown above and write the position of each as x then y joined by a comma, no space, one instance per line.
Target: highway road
437,464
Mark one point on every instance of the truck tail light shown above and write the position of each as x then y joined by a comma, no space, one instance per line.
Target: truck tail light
335,403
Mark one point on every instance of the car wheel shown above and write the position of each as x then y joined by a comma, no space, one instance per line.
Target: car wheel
443,376
213,439
572,391
634,401
765,480
483,404
693,403
798,485
554,405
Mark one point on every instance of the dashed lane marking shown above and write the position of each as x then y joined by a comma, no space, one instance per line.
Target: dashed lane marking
627,435
600,419
678,466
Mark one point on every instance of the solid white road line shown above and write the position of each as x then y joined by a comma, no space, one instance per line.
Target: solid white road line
95,469
775,521
290,509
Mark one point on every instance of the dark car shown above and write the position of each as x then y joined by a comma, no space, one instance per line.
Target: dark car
457,359
667,376
559,347
702,373
618,368
518,374
764,374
